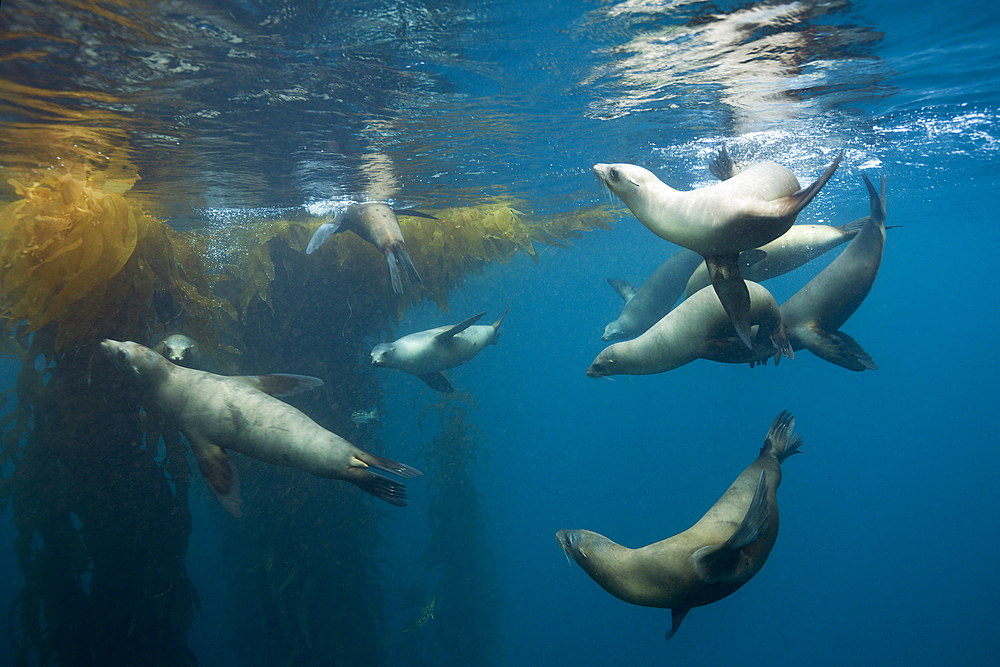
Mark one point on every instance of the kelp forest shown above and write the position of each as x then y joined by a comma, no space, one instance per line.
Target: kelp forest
98,482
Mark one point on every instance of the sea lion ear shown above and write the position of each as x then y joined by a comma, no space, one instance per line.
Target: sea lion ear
633,182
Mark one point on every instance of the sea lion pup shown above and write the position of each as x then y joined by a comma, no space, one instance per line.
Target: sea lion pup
175,345
427,353
216,413
376,223
813,315
708,561
753,207
645,306
698,328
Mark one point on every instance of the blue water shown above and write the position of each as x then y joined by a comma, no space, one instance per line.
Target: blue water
889,525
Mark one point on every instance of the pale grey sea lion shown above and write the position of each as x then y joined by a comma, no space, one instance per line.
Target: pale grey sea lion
181,349
427,353
751,208
216,413
698,328
376,223
710,560
645,306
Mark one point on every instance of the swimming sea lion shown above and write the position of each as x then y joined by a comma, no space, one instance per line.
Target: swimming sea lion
376,223
708,561
813,315
647,305
216,413
755,206
698,328
427,353
181,350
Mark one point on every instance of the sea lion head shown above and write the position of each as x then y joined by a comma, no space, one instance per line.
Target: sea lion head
382,354
181,350
630,182
583,546
139,361
613,332
605,364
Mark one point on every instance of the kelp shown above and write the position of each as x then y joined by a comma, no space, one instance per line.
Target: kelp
467,600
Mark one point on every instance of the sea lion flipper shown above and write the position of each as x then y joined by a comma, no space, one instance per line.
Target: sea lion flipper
325,231
840,349
449,332
381,487
732,292
750,257
437,381
388,465
878,211
722,166
677,615
414,213
716,562
797,201
403,257
220,475
625,289
397,284
280,385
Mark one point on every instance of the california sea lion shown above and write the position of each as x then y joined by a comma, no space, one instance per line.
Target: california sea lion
376,223
698,328
813,315
216,413
708,561
181,350
647,305
755,206
427,353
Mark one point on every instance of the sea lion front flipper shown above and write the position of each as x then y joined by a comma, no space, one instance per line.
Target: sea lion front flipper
625,289
732,292
449,332
716,562
414,213
437,381
840,349
325,231
677,615
280,385
220,475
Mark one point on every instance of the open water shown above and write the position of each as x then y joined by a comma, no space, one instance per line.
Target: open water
889,523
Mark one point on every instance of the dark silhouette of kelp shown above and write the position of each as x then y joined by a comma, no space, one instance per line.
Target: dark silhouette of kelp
464,630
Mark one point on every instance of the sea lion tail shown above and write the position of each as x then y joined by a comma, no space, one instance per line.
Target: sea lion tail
396,255
780,441
799,200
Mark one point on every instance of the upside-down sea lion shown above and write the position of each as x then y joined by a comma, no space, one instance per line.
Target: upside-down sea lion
216,412
698,328
427,353
708,561
376,223
813,315
755,206
645,306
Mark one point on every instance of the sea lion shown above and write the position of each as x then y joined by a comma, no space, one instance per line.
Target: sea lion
755,206
708,561
698,328
427,353
181,349
648,304
216,413
813,315
376,223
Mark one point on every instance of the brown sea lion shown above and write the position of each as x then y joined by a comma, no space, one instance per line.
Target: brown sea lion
755,206
376,223
216,413
708,561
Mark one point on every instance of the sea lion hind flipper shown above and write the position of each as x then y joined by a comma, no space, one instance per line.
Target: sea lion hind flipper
797,201
625,289
388,465
717,562
750,257
722,166
732,292
677,615
840,349
449,332
381,487
403,258
437,381
322,233
220,475
280,385
878,211
780,441
397,284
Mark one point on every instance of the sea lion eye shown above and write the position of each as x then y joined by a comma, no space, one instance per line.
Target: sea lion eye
122,355
613,173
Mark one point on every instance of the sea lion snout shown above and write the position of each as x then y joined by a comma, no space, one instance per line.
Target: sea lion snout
381,354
